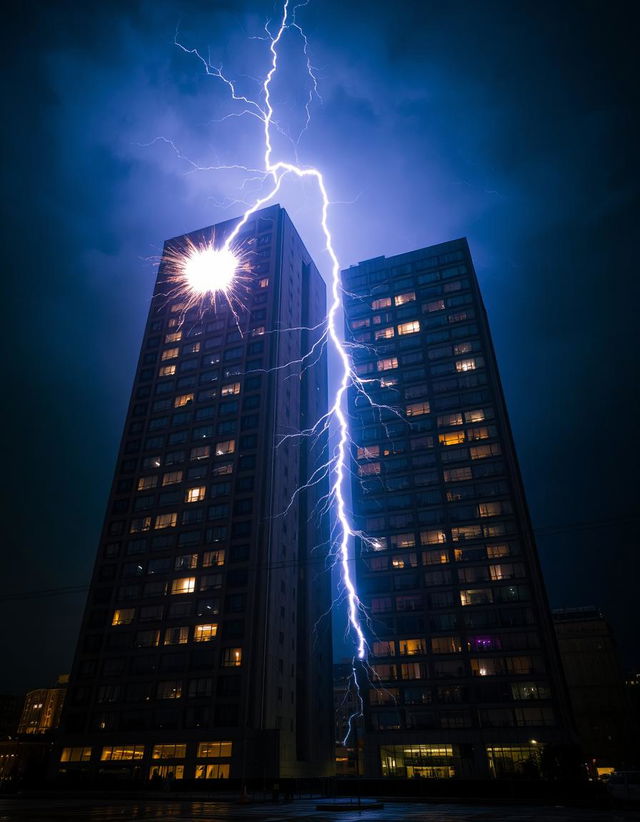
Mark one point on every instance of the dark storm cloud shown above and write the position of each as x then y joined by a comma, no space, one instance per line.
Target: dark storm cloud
510,123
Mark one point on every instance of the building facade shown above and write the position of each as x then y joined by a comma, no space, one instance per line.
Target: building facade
465,675
202,654
596,686
42,709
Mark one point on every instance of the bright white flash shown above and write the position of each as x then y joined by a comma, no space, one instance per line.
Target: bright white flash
208,269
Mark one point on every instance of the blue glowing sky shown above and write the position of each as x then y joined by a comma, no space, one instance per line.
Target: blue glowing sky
511,124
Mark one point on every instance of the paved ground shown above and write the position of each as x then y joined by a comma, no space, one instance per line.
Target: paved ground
61,809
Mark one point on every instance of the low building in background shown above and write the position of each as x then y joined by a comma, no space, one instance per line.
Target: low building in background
42,708
596,684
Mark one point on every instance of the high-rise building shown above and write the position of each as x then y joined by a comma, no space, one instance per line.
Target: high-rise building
465,671
202,652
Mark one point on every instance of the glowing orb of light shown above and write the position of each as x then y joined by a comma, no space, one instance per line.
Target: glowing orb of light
210,269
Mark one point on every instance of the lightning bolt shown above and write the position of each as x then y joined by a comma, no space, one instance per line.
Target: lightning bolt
337,469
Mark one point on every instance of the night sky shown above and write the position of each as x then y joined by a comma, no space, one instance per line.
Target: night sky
511,123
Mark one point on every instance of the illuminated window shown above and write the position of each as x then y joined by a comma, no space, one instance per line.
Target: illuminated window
123,616
409,328
232,657
176,751
384,333
387,364
462,348
383,302
407,297
172,477
140,524
75,755
445,420
183,585
368,452
457,474
465,532
400,561
176,636
490,509
225,447
212,558
498,551
408,647
176,336
446,645
167,371
205,633
117,753
263,283
480,452
478,596
466,365
369,469
170,353
214,770
183,399
214,750
481,432
230,388
166,521
415,409
194,348
384,648
186,562
453,438
201,452
259,331
364,323
195,494
477,415
435,557
436,305
432,537
403,541
145,483
170,689
507,760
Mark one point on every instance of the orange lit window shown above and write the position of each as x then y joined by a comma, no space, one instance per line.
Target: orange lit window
205,633
432,537
200,452
409,328
145,483
384,333
176,336
466,365
369,469
214,750
167,371
383,302
387,364
183,585
170,353
446,645
435,557
232,657
211,558
195,494
116,753
480,452
453,438
449,419
409,647
75,755
183,399
263,283
497,551
407,297
415,409
225,447
171,477
123,616
166,521
176,636
477,415
174,751
230,388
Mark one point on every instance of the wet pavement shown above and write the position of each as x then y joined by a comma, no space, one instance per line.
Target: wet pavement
68,809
